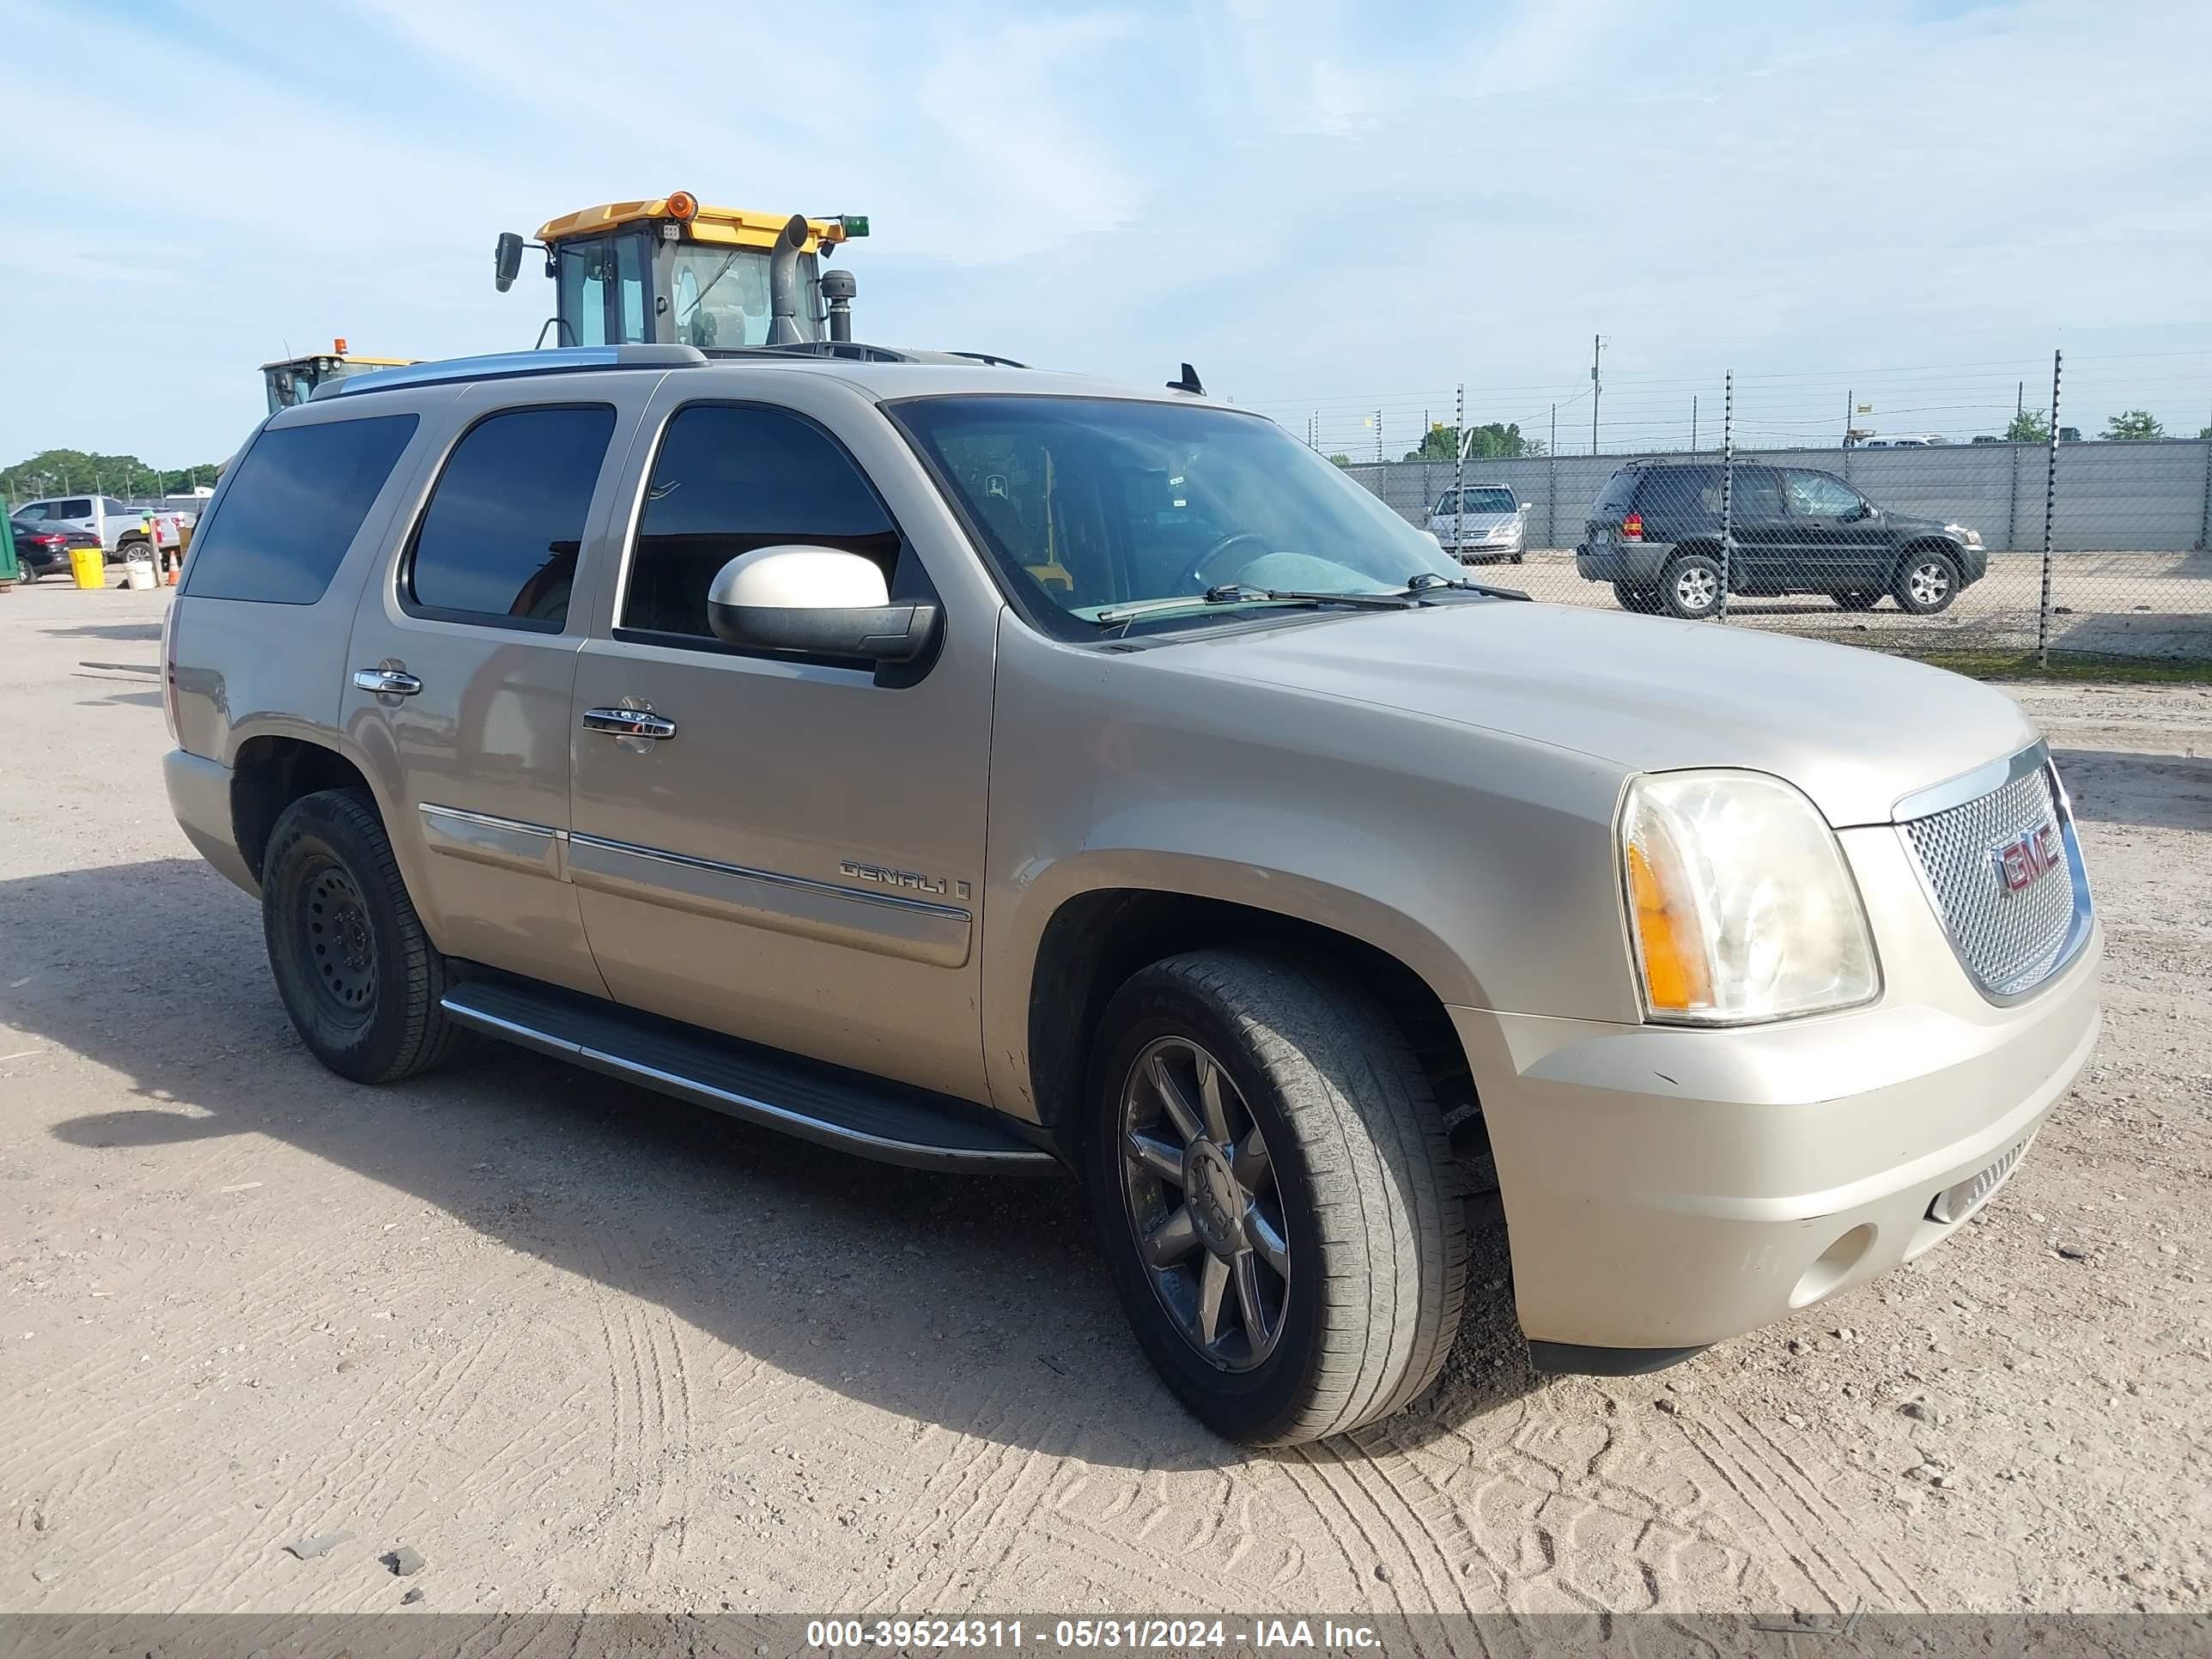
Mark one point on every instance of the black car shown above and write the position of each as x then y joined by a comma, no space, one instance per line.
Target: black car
1655,533
40,548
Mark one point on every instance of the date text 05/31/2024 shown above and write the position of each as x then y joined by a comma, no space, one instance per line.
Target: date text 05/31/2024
1128,1634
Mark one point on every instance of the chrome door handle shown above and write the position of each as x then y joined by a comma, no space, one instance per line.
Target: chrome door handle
628,723
386,681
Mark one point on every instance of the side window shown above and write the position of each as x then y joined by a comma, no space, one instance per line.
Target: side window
1755,496
731,479
293,509
1446,502
498,541
33,512
77,506
1817,495
109,504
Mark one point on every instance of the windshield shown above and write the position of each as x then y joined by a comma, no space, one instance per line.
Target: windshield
1481,500
1089,504
720,295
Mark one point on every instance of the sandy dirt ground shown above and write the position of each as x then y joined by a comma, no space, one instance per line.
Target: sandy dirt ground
2127,604
584,1348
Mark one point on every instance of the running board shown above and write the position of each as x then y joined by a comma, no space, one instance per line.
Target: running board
892,1123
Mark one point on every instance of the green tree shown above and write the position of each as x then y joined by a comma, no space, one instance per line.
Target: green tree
2204,432
1341,459
2032,427
2133,425
82,472
1496,442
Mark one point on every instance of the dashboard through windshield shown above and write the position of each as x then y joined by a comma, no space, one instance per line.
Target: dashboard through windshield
1091,505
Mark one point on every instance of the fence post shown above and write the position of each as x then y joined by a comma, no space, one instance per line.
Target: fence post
1728,483
2012,509
2050,502
1459,472
1552,485
2204,512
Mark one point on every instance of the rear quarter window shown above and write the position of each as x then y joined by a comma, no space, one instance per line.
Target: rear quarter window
296,505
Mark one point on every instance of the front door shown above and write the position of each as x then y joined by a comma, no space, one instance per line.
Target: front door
787,850
1837,539
460,668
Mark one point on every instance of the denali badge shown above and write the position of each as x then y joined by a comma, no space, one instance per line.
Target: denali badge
2027,858
911,879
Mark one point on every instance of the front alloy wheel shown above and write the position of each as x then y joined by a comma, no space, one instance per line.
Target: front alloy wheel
1926,583
1199,1192
1274,1195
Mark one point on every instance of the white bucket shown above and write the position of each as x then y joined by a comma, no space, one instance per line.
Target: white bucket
138,573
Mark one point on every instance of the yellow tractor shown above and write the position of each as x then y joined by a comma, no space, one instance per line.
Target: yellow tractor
673,271
294,380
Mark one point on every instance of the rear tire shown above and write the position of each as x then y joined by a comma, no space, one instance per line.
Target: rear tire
356,972
1927,582
1691,587
1337,1252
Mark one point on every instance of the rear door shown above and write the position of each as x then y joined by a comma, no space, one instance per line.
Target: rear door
462,660
1758,525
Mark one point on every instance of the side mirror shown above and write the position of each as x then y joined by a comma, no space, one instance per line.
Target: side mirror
506,260
1525,505
817,602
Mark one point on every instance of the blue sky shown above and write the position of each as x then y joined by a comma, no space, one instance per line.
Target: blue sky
1330,209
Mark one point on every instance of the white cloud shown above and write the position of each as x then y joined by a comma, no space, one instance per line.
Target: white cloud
1309,200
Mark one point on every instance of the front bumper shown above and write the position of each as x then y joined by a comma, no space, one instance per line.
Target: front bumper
1639,564
1668,1188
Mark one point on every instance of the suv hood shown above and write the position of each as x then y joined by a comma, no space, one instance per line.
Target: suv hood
1855,730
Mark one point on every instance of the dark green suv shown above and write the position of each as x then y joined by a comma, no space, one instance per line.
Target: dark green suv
1655,533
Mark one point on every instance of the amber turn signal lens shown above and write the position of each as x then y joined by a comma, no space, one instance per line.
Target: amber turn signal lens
1674,974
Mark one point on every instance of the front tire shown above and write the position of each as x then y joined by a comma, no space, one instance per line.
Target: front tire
1927,582
355,970
1274,1194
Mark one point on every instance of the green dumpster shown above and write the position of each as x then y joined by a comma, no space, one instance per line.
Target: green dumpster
9,570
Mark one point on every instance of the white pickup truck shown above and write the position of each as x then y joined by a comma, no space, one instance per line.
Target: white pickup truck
123,530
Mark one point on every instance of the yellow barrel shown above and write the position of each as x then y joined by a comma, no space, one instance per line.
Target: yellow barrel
89,566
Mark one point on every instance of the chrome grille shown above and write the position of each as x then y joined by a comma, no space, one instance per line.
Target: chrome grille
2010,942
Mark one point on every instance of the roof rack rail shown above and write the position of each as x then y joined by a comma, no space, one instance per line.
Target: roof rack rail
855,351
499,365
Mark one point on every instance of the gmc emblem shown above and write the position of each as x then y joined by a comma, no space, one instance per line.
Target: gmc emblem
2027,858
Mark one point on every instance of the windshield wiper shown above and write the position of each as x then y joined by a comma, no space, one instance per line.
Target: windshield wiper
1427,581
1240,593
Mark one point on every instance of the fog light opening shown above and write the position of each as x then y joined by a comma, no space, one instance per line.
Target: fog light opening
1834,1266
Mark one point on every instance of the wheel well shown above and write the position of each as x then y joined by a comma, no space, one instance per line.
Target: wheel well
269,775
1096,941
1928,544
1708,549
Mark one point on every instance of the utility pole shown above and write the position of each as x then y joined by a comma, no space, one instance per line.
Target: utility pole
1848,406
1597,345
2019,399
1555,429
1379,435
1693,423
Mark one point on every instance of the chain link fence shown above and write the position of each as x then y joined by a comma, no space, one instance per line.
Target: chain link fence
1992,549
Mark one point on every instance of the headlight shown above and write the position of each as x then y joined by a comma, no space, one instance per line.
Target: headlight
1739,903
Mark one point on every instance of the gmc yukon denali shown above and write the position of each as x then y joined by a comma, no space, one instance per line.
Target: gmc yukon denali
985,770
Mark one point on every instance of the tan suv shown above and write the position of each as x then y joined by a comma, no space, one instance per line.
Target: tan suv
986,769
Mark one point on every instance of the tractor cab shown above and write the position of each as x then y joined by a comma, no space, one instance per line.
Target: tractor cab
294,380
672,271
